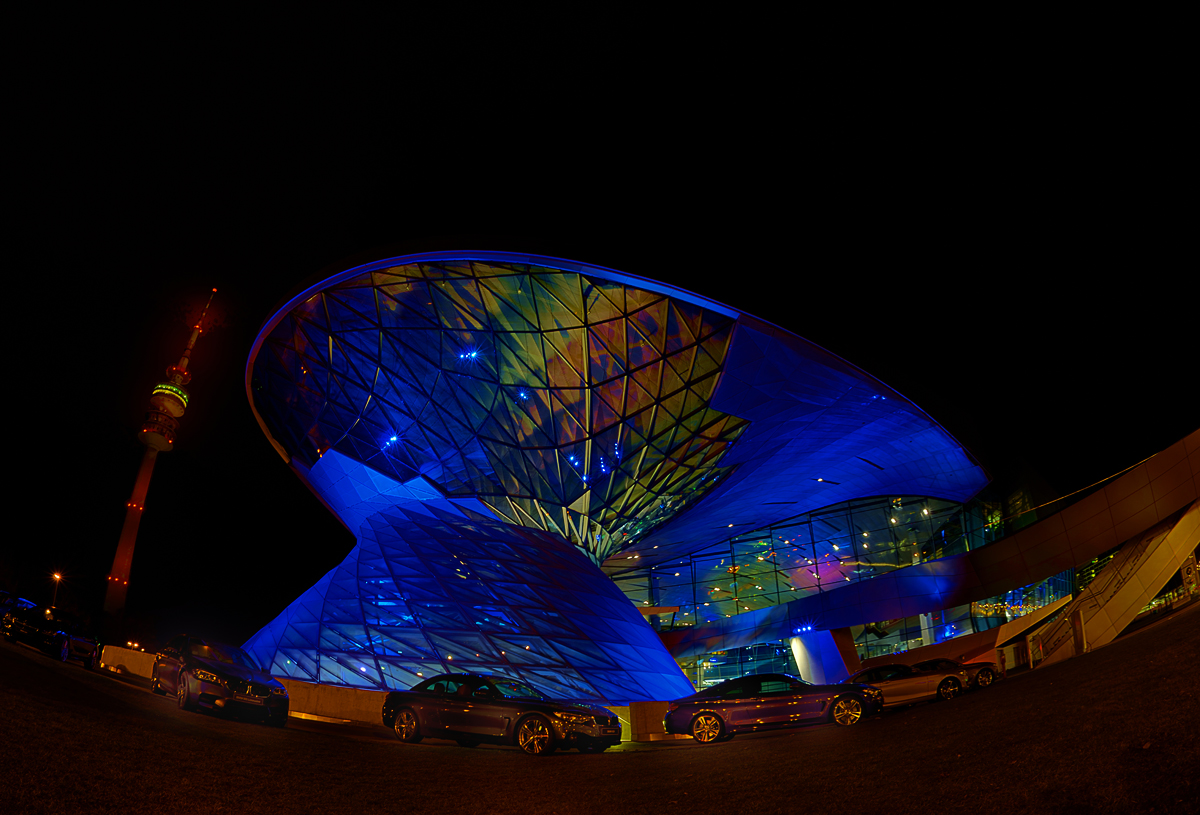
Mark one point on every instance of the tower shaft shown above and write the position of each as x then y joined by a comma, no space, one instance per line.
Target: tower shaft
118,577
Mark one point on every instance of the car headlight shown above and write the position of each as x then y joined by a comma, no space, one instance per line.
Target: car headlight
279,691
207,676
572,716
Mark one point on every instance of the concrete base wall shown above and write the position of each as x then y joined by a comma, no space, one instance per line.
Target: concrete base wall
646,723
126,660
334,702
338,704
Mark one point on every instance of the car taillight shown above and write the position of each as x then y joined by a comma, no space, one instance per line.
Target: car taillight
672,707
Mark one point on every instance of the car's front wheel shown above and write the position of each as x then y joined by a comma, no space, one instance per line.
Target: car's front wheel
534,736
847,710
949,688
183,697
984,678
707,728
407,727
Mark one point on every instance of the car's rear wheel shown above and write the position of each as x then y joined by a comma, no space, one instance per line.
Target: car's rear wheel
407,727
707,728
984,678
948,689
534,736
847,710
182,696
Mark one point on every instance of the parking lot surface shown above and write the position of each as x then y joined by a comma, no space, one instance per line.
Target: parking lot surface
1115,730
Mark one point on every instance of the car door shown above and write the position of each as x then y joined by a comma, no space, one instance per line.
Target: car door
744,704
901,684
782,701
478,709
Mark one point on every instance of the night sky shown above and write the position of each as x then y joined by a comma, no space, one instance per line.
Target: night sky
1034,308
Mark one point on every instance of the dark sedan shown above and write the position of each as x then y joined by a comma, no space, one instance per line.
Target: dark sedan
55,632
765,702
207,674
472,709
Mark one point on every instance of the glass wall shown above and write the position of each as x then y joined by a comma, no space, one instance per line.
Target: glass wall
763,657
897,636
809,553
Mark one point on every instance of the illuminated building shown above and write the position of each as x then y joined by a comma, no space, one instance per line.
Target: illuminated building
168,401
519,444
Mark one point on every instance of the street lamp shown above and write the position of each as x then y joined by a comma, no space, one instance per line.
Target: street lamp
57,578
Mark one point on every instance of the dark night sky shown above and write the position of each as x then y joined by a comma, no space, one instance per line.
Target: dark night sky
1030,301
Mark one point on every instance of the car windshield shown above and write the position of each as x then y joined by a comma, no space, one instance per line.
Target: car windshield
512,689
219,652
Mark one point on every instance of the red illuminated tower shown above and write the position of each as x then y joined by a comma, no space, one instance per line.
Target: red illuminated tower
168,401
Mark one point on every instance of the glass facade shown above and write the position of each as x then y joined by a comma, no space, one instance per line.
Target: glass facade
897,636
766,657
809,553
563,402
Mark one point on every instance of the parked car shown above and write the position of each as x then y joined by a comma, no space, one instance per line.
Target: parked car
56,632
203,673
767,701
979,674
902,684
472,709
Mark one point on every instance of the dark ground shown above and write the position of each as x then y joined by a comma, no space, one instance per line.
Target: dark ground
1115,731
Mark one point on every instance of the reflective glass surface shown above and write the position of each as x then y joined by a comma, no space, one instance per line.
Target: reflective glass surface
810,553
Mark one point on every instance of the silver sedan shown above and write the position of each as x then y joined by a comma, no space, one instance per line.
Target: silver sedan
903,684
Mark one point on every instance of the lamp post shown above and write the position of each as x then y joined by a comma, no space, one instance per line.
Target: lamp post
57,579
